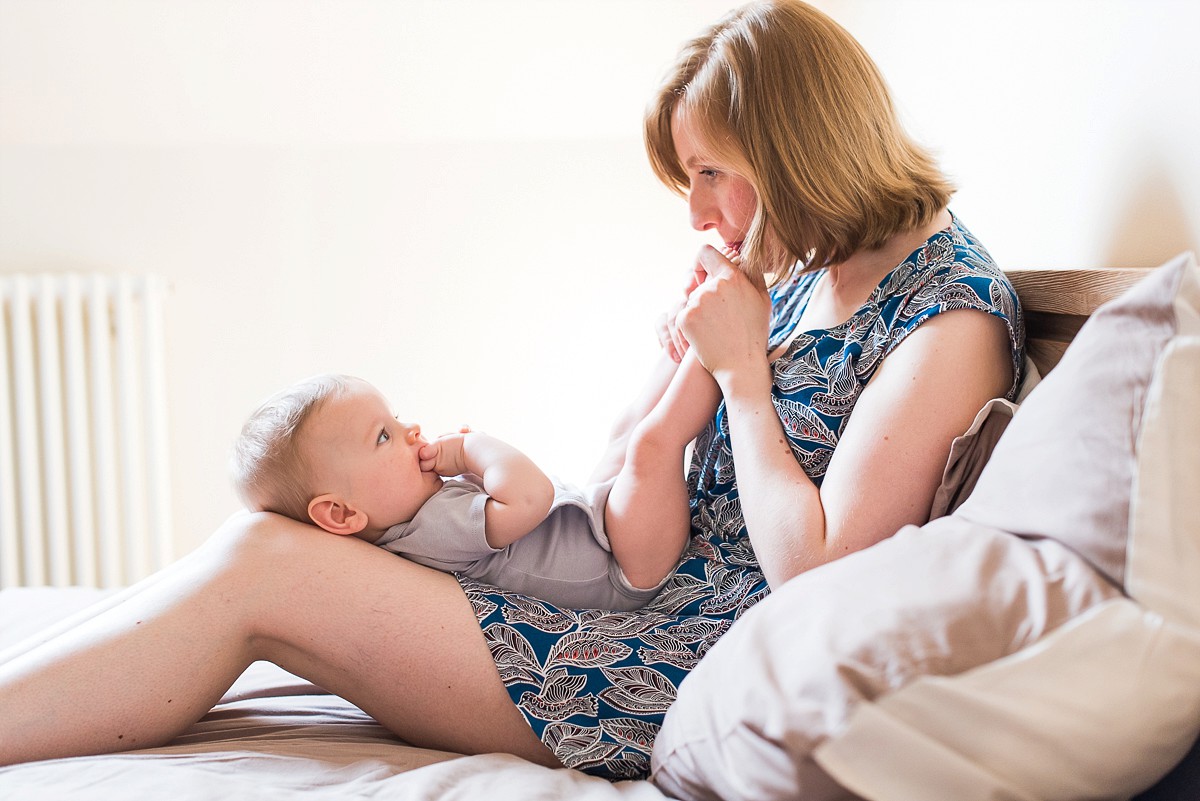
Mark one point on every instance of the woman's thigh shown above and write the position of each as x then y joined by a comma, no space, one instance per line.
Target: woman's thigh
399,640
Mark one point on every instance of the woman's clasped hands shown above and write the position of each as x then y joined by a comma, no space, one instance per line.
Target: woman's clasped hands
725,315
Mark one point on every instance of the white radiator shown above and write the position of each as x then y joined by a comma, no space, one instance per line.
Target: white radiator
84,489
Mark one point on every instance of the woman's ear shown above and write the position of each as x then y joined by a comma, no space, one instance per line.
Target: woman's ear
335,516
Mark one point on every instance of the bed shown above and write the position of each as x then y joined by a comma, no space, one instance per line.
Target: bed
275,736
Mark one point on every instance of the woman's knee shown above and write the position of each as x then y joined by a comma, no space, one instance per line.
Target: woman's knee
256,540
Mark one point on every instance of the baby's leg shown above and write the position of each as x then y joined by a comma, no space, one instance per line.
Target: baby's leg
646,517
614,455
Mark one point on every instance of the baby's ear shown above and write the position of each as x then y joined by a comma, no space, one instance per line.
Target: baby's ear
335,516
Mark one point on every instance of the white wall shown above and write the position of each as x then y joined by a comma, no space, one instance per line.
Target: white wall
450,198
1069,125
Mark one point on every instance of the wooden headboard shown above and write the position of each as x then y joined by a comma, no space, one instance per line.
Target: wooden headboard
1057,302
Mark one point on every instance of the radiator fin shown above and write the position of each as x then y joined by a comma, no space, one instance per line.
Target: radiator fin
84,484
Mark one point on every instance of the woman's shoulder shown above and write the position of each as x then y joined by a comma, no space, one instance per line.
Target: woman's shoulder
953,269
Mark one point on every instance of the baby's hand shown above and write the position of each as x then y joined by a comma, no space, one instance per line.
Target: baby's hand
444,455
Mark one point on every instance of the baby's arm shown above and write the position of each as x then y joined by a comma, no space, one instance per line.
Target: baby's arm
519,493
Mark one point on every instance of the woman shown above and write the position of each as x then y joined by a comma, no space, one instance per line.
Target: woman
779,130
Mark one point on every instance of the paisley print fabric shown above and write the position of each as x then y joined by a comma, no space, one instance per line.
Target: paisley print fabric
594,685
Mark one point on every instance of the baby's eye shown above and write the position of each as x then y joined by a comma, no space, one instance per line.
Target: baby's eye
383,437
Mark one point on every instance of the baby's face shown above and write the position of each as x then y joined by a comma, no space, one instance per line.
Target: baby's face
362,453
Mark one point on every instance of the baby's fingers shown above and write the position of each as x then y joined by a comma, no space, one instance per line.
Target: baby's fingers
427,457
666,336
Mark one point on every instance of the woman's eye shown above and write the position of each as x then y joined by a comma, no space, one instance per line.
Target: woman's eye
384,436
709,173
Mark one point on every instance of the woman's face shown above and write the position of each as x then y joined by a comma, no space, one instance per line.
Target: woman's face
718,199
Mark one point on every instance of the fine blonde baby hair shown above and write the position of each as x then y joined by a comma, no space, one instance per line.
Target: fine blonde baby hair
790,99
270,472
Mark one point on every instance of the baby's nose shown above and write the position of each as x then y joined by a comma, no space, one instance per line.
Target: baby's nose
414,432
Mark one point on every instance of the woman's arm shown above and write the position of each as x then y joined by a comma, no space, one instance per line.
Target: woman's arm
519,493
890,457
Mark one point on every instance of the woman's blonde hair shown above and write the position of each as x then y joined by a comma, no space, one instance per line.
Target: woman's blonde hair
790,101
270,472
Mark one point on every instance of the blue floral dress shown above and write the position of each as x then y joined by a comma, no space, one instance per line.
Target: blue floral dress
594,685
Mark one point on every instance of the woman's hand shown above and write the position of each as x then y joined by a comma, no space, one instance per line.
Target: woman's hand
727,315
670,337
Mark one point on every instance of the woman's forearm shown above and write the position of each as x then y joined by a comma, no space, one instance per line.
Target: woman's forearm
727,321
780,504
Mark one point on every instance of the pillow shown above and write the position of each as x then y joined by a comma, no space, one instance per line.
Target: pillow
971,451
1164,542
969,454
992,653
791,674
1066,465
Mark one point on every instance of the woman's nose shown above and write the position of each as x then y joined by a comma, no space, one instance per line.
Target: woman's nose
701,210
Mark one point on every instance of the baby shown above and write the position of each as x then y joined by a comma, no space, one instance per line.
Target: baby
329,450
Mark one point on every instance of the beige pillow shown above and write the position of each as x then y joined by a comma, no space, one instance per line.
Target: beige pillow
1066,465
958,661
969,454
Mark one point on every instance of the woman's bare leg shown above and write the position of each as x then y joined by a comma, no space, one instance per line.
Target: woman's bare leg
85,614
646,516
397,639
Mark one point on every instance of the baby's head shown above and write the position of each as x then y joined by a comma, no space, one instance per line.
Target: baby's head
271,472
329,450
